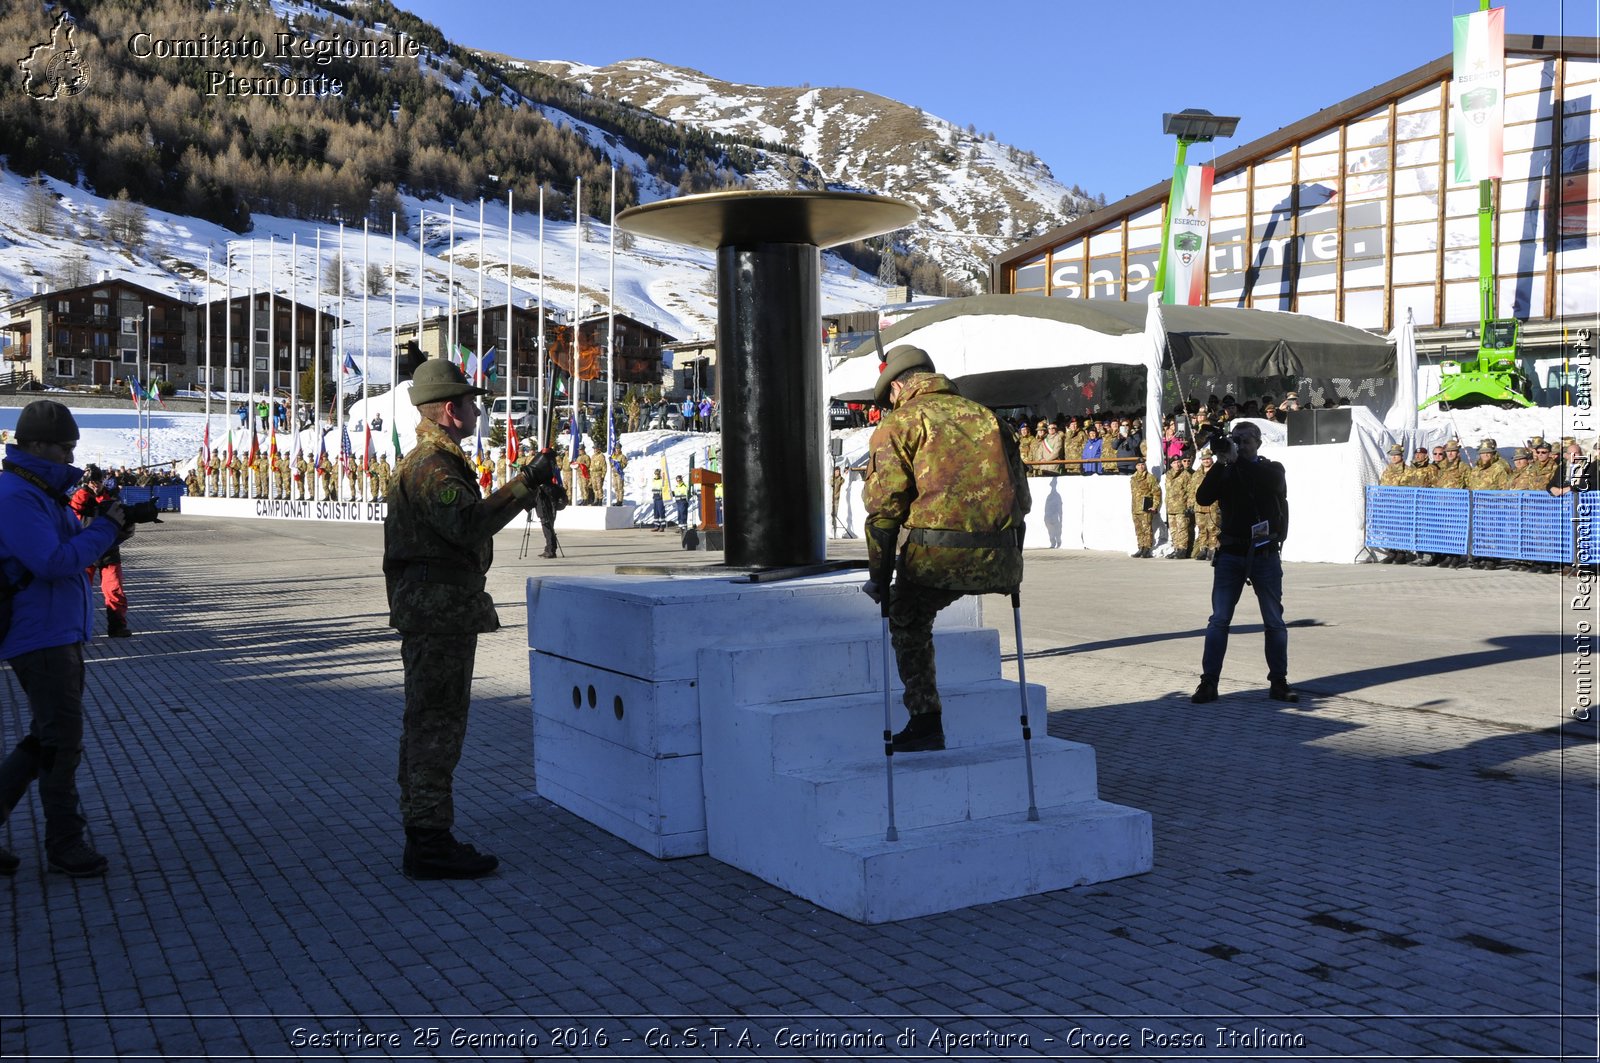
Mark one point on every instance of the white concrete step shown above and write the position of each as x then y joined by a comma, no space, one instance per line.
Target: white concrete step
974,782
793,735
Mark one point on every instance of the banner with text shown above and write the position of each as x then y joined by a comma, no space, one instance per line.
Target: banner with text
1190,226
1478,95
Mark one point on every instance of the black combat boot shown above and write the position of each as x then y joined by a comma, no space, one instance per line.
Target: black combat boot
1281,691
435,854
1180,555
922,734
116,626
1205,692
77,861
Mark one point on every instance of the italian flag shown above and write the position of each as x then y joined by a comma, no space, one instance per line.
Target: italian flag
1478,95
1190,211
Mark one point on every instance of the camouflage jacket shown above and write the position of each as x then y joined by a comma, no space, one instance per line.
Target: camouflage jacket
1424,475
1180,492
1146,492
1393,476
1451,474
1491,478
438,540
942,462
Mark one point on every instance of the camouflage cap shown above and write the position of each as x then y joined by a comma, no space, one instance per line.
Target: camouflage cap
1453,445
437,379
1396,448
1489,444
900,360
1537,443
1522,454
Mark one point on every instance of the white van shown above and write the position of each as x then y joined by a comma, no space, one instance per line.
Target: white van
520,412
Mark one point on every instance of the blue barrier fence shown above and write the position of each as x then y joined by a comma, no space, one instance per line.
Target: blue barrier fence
1514,525
167,498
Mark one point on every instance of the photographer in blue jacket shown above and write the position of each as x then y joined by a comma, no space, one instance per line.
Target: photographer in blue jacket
46,616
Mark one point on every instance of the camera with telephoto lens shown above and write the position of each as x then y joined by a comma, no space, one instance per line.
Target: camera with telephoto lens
1222,446
141,513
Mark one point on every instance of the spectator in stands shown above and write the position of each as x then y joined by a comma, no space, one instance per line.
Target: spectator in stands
1091,452
1050,449
1489,474
1025,444
1291,403
1127,448
1073,438
1547,470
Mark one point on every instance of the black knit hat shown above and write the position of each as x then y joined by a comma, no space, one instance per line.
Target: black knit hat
45,421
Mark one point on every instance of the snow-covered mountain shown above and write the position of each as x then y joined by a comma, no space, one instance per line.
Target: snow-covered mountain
976,196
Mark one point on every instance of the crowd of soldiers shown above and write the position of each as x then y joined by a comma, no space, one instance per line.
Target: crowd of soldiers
1192,529
585,473
1533,467
298,479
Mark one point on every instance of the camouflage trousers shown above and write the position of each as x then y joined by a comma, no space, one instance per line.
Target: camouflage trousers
912,608
438,671
1207,530
1179,529
1144,530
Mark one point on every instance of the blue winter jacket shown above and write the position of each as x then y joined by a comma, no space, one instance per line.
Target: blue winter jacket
39,534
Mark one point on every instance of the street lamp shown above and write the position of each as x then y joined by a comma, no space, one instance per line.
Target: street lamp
1191,126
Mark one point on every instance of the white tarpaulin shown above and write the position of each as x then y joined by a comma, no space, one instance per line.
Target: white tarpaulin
1402,416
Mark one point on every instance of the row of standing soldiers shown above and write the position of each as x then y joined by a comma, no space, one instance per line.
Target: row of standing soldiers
586,475
1193,529
276,476
1534,468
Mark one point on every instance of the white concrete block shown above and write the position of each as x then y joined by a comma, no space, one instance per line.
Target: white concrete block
655,803
652,627
840,665
657,719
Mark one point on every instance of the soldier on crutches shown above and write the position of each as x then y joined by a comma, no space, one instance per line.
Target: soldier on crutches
950,473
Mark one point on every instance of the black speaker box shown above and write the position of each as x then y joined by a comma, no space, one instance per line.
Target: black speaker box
1311,427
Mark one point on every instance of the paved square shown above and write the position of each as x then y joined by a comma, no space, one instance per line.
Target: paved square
1403,865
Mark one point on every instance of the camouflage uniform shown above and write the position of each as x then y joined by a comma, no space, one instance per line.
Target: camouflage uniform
616,464
597,479
1207,519
1146,498
1178,489
385,477
438,546
1529,477
1490,475
302,478
1451,473
191,483
1072,443
944,465
1421,473
213,478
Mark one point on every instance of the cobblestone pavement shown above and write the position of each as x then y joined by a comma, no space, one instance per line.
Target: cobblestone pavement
1402,866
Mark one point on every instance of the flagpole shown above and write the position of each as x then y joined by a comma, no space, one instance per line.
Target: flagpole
294,356
208,339
450,289
338,391
422,264
477,376
544,426
511,341
250,403
316,372
611,338
577,304
227,354
143,409
394,320
272,356
366,339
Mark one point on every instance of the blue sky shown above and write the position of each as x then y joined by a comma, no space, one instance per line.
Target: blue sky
1081,84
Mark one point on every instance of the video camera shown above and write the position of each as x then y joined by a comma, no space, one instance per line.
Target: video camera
1222,446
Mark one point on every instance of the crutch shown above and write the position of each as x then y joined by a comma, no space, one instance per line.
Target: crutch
1022,693
888,728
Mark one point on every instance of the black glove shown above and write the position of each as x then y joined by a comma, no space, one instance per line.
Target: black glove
541,470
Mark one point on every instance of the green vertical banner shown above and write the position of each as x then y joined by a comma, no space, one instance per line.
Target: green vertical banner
1189,231
1478,95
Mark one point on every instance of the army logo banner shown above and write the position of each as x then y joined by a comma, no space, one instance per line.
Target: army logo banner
1190,227
1478,95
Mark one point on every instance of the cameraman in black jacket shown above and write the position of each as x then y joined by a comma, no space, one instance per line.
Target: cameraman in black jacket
1253,496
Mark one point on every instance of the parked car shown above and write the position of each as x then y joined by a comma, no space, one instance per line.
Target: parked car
520,410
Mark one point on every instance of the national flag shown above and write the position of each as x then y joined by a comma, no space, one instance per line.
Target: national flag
558,384
577,437
394,440
272,442
135,392
366,450
350,365
1478,95
255,446
230,446
346,454
322,451
511,443
1188,224
484,366
205,442
153,391
460,358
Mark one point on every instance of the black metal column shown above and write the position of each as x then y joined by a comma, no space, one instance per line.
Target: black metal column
770,381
